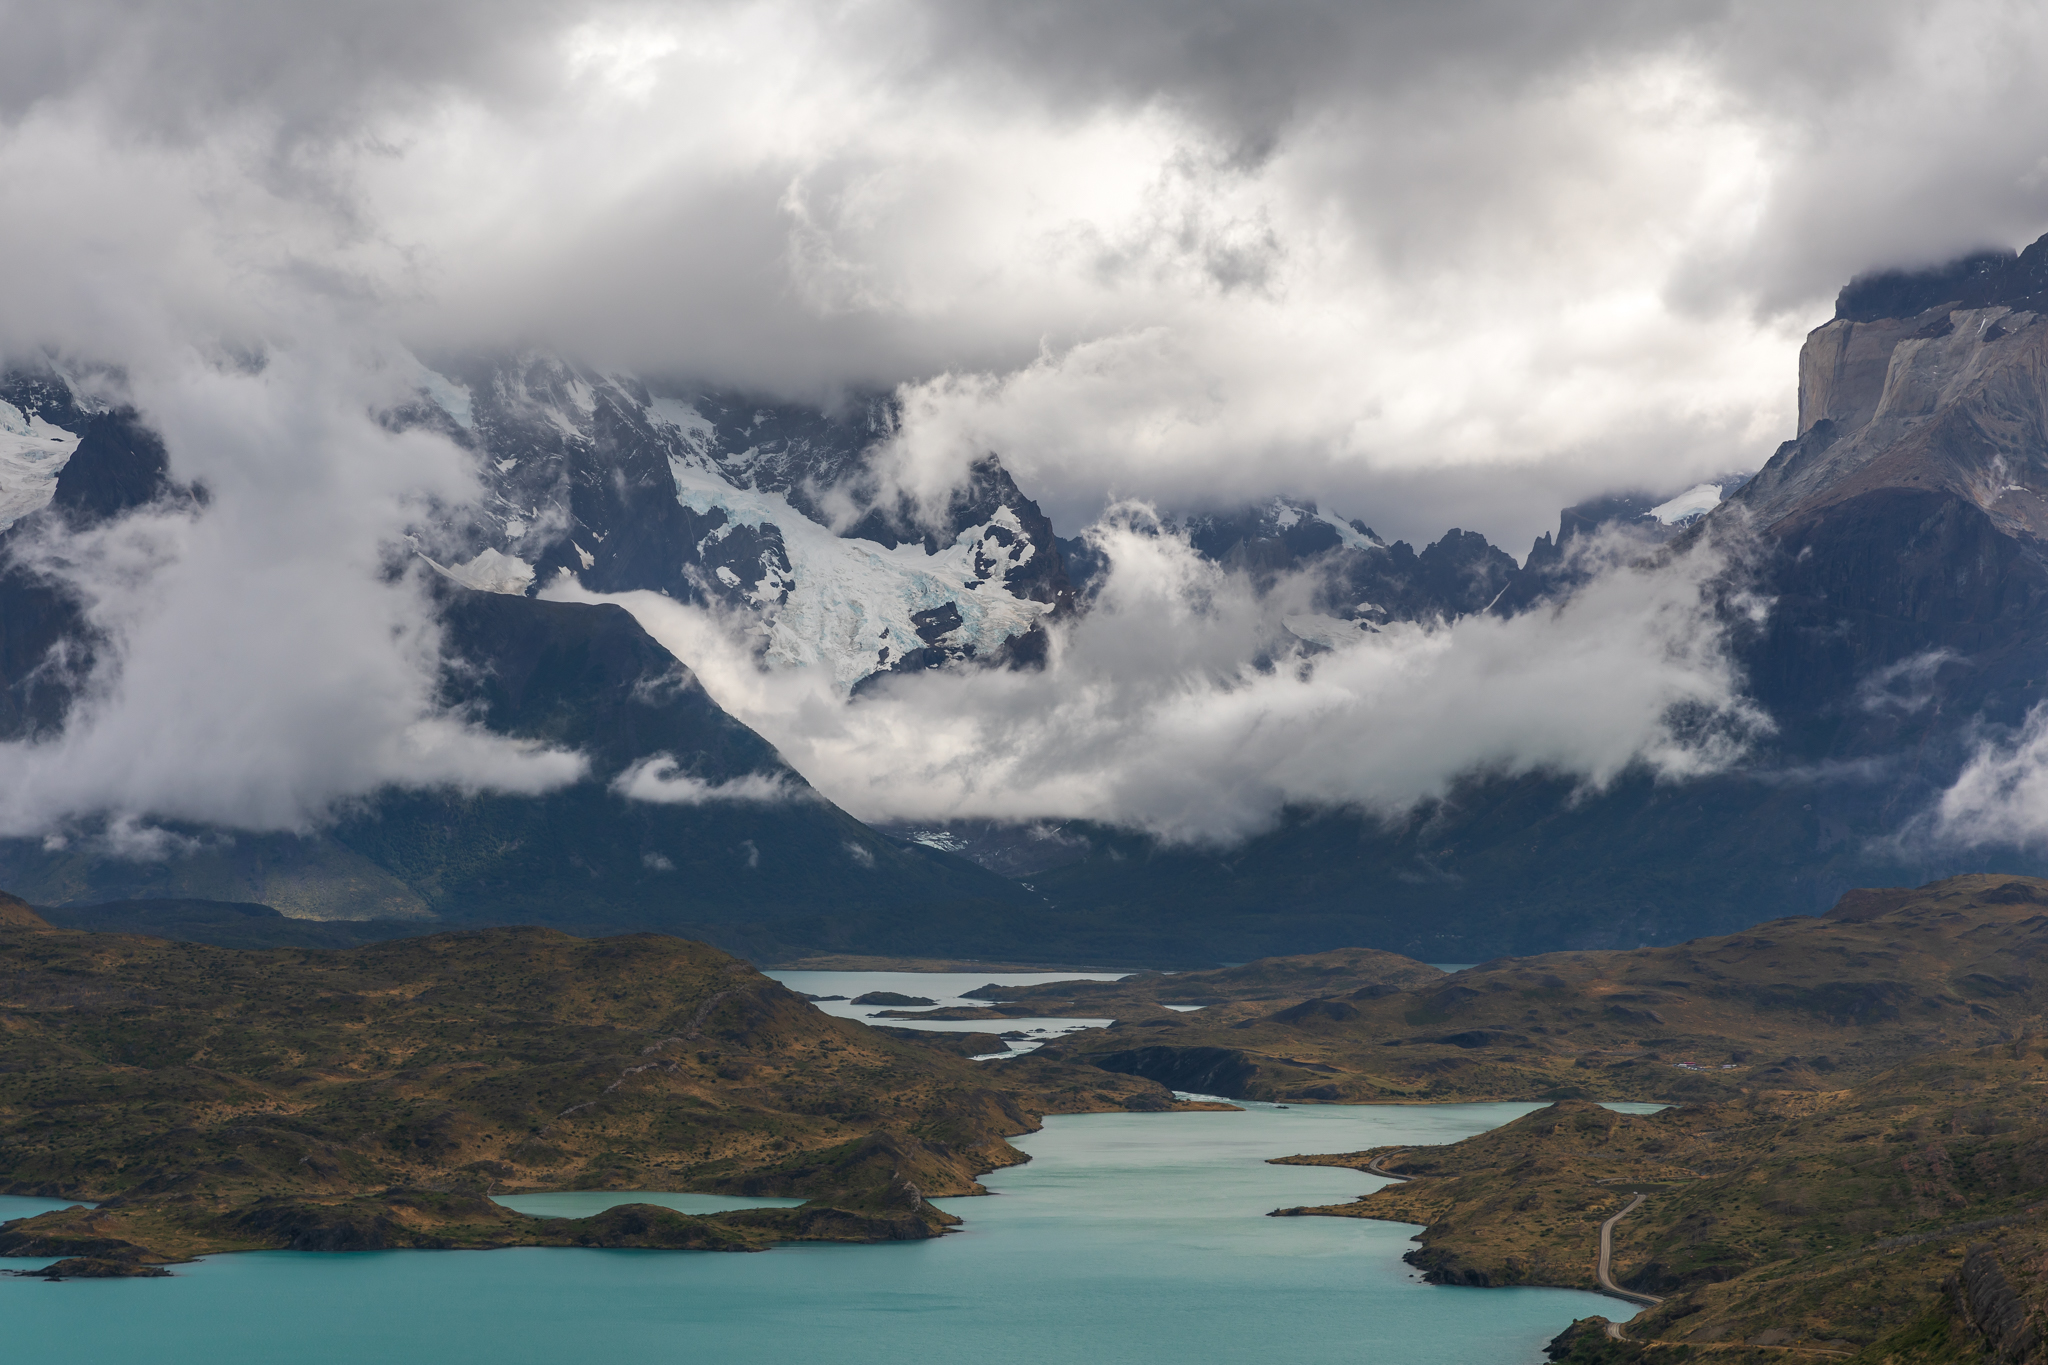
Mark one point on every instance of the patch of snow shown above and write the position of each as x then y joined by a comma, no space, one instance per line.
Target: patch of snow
82,396
1692,504
449,396
842,599
588,558
1329,631
1349,534
944,841
1287,515
492,572
32,454
681,415
507,466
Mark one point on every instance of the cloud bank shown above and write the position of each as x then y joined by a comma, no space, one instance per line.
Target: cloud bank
263,661
1180,705
2001,797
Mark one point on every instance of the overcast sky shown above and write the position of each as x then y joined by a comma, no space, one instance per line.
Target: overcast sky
1448,264
1459,262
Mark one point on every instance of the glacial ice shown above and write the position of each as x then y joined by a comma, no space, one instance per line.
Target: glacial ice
1694,502
32,454
449,396
846,606
851,598
1329,631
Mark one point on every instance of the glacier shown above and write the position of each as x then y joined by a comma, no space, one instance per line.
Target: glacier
32,454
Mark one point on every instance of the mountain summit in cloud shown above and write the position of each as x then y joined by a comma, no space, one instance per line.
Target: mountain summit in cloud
1268,727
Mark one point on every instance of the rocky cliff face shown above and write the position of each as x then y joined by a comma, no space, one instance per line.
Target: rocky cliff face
1904,527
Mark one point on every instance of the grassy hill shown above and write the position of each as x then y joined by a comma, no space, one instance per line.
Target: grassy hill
213,1099
1826,1222
1808,1003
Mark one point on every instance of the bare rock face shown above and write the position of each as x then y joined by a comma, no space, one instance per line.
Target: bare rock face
1985,1298
1934,381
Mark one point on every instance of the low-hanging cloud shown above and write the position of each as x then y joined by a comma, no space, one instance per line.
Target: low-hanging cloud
261,660
2001,796
660,778
1176,706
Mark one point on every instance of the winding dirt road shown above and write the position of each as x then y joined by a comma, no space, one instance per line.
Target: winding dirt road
1373,1167
1607,1281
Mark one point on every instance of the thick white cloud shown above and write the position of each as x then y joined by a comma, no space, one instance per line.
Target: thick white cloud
659,778
1463,263
2001,797
1151,713
262,661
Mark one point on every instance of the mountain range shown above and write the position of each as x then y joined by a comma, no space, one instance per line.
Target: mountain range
1897,540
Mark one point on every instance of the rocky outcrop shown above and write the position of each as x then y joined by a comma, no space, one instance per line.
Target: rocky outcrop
21,1239
1936,381
1983,1297
1200,1070
93,1268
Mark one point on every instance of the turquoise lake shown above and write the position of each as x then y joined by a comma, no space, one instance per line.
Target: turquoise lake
1129,1238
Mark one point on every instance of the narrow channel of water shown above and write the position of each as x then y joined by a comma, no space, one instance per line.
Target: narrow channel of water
942,989
1134,1238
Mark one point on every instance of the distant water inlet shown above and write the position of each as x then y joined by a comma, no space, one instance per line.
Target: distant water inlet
943,990
1135,1238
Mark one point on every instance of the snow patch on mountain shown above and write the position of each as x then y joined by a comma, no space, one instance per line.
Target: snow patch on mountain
1689,506
1331,632
719,499
32,454
852,607
683,416
447,395
491,571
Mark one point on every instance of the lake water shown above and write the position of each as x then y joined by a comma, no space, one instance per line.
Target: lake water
1138,1239
942,989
